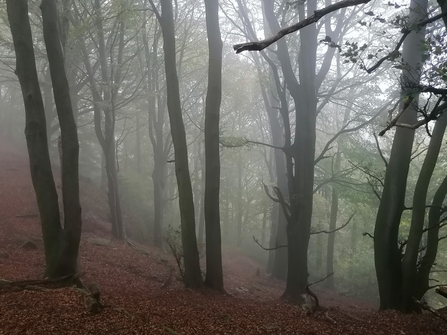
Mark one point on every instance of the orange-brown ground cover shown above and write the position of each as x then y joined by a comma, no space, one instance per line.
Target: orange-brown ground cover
131,282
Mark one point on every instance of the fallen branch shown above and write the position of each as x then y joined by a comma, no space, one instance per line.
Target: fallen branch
426,307
6,284
442,290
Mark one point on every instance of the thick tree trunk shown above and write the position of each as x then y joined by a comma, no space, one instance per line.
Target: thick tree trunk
36,133
214,276
67,263
434,218
193,277
410,259
61,245
387,255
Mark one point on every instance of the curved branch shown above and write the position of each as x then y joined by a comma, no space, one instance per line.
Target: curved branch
333,230
269,249
318,14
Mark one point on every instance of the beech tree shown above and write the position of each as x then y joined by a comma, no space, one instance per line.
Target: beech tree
193,276
61,243
214,276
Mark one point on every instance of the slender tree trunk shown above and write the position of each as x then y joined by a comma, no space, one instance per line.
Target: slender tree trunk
334,205
272,237
193,277
264,224
201,232
239,201
331,238
214,276
138,146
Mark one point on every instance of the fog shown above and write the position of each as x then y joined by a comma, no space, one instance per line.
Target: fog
307,96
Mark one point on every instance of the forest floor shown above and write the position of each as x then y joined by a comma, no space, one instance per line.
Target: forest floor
134,284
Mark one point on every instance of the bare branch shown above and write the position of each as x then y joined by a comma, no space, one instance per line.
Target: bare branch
368,234
318,14
345,130
320,280
333,230
380,150
269,249
426,307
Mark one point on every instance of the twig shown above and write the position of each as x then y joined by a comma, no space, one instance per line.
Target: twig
380,150
406,32
269,249
333,230
320,280
368,234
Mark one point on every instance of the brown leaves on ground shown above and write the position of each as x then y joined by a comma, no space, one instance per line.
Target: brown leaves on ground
131,281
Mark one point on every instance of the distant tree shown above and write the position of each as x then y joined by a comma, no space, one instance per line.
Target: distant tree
61,243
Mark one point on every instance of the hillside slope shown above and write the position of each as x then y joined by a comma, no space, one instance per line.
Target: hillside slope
135,286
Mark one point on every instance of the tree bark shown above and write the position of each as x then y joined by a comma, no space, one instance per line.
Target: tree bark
67,263
434,218
193,277
410,259
36,133
387,255
214,275
61,245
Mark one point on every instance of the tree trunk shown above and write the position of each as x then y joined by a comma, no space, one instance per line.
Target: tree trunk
239,201
201,231
36,134
410,259
67,263
429,258
387,255
193,277
214,276
61,245
334,205
331,238
138,146
300,174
